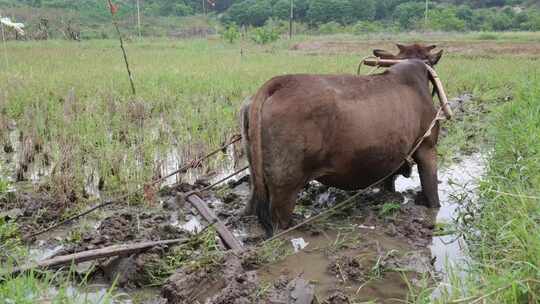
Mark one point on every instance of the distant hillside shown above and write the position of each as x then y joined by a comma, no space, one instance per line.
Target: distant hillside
74,19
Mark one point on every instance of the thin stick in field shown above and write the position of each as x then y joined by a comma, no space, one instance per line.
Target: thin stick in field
113,8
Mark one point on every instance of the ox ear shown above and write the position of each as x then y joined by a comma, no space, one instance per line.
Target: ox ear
434,58
431,47
383,54
401,47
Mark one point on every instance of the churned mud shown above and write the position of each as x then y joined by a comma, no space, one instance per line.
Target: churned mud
374,250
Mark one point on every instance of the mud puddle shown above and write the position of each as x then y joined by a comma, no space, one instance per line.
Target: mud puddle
367,256
363,254
364,270
457,189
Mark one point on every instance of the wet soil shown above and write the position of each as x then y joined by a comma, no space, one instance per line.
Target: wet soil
31,209
358,247
473,49
363,253
359,254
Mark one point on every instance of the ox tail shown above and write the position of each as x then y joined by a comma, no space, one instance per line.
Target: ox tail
260,198
246,143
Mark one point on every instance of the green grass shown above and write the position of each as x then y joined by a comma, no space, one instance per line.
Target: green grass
50,288
389,209
508,247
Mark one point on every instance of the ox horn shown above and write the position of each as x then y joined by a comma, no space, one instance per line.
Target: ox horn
437,84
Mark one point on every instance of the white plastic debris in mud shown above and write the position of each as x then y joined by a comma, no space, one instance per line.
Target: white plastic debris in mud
192,226
366,227
299,244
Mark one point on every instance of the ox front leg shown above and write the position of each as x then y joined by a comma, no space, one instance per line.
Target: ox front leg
426,158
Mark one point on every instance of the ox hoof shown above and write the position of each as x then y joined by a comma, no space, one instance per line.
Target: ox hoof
247,211
422,200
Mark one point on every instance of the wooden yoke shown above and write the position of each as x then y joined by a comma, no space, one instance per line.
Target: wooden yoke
434,78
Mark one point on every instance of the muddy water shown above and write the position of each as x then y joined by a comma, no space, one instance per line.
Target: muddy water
172,161
457,188
370,243
35,170
362,273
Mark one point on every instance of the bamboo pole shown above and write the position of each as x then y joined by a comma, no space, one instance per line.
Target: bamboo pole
139,18
90,255
115,24
226,236
291,18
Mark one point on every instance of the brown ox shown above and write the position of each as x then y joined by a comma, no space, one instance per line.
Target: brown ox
344,131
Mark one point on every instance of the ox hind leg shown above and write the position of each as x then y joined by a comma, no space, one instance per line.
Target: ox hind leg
426,158
284,182
282,202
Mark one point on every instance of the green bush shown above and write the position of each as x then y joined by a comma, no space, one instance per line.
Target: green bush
231,34
264,35
408,14
446,20
249,12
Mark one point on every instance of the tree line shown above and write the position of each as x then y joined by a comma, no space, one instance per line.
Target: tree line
453,15
366,15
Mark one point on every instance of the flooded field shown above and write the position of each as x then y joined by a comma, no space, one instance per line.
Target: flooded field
379,249
376,250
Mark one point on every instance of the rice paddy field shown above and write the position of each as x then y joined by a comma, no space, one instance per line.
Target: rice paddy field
72,133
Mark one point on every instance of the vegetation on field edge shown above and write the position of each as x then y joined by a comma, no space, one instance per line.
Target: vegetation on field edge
503,235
